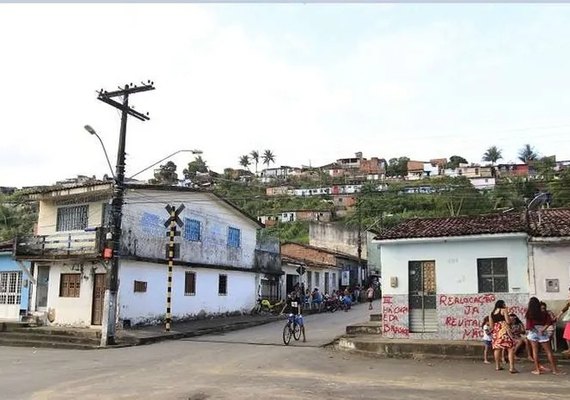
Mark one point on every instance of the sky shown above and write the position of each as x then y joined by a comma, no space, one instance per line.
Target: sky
310,82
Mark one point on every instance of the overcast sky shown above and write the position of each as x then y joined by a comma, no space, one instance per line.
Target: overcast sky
313,83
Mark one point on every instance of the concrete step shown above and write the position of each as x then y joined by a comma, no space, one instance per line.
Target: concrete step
7,326
7,341
77,332
365,328
55,338
375,317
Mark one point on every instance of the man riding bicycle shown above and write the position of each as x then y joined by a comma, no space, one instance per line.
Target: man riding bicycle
293,306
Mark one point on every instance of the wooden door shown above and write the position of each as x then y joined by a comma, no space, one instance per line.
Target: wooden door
98,297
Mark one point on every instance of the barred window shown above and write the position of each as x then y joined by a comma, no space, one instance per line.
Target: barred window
492,274
222,285
192,230
69,285
73,218
233,237
190,284
140,287
106,215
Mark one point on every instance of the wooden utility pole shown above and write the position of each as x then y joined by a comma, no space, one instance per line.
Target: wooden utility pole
112,283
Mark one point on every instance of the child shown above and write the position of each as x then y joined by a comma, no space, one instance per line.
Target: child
486,338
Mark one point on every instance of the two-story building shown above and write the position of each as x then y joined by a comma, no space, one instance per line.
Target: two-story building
219,269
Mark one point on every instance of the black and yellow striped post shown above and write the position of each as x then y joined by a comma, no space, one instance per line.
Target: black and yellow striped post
172,252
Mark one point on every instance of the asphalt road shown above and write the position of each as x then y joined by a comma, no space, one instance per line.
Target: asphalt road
254,364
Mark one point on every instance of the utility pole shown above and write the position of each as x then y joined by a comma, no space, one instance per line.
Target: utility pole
359,240
112,281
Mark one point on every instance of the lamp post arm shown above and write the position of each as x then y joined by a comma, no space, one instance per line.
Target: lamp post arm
106,156
162,159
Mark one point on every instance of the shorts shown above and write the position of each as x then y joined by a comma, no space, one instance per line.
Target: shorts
535,336
488,343
370,299
299,320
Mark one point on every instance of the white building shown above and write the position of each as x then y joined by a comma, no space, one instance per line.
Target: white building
441,276
219,269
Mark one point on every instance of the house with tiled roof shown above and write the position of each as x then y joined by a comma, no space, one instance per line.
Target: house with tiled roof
441,276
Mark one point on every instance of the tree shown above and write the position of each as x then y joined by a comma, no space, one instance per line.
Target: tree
165,175
17,216
244,161
545,168
527,153
198,165
560,190
493,154
397,166
454,162
255,157
268,157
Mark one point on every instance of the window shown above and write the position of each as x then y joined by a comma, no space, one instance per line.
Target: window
72,218
190,284
69,285
233,237
140,287
222,285
317,282
106,215
334,281
492,275
192,229
309,279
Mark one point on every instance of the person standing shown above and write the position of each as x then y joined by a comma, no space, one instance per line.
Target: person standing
537,323
565,315
501,336
370,296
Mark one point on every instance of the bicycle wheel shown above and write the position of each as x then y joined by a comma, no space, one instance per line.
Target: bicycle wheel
297,331
287,334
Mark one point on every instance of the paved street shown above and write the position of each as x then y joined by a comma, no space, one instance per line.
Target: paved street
254,364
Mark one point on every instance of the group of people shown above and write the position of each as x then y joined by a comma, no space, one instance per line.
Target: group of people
505,334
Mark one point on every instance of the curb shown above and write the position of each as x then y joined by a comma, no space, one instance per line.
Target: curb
410,350
134,341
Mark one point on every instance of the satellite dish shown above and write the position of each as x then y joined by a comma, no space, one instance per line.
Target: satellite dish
538,201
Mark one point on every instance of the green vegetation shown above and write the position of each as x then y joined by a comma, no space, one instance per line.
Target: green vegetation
17,216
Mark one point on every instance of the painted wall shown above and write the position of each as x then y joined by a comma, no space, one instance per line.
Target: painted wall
550,262
145,234
7,264
335,237
71,311
150,307
459,305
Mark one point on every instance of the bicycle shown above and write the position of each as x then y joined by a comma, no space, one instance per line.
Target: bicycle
291,328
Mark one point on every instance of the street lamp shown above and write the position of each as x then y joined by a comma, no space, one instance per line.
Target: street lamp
162,159
92,131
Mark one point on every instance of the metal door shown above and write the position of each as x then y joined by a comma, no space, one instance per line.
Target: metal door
42,287
98,297
10,294
422,294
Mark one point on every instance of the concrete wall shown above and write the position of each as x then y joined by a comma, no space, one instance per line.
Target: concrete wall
456,279
145,234
335,237
549,261
71,311
150,307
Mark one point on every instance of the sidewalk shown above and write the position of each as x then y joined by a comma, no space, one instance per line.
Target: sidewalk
179,330
376,345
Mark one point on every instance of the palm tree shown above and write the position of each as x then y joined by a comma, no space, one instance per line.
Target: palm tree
527,153
244,161
255,157
268,157
493,154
